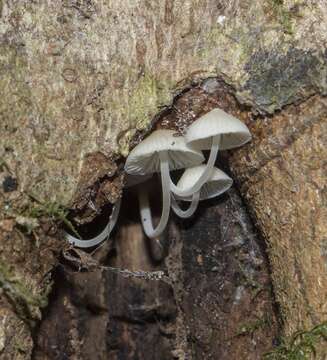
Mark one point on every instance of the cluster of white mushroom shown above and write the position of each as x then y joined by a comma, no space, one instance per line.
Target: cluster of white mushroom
164,151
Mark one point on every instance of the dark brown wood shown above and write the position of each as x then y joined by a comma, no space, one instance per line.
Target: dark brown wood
214,301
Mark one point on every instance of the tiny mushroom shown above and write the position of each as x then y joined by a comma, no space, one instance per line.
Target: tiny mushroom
105,233
131,180
213,131
162,151
165,150
191,209
218,183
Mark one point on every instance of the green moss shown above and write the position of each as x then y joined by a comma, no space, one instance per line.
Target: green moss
236,42
251,327
213,35
26,302
3,165
302,345
145,100
14,102
283,15
20,346
51,210
211,41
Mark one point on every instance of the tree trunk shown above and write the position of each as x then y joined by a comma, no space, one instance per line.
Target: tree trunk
84,81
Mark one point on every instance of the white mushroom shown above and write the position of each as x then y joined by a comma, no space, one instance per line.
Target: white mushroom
105,233
213,131
132,180
190,210
218,183
161,151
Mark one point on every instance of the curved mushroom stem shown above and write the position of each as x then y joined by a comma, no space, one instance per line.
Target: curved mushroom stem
205,175
145,210
102,236
191,209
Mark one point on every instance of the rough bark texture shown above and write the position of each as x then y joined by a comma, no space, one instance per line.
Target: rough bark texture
289,169
82,81
84,76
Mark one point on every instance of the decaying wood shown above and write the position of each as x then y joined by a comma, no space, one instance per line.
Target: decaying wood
284,182
83,81
213,301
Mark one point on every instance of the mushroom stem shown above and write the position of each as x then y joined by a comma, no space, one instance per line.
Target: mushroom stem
204,176
102,236
190,210
145,210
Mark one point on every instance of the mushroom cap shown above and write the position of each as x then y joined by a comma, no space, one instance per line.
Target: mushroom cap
218,182
217,122
145,157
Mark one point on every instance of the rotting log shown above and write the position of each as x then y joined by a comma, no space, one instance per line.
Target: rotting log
214,300
83,81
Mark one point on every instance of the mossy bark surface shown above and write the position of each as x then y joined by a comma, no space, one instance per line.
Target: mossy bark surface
83,81
82,77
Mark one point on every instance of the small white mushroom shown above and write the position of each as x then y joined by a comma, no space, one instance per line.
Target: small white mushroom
213,131
105,233
132,180
218,183
162,151
190,210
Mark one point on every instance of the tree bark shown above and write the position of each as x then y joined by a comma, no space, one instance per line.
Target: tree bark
84,81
